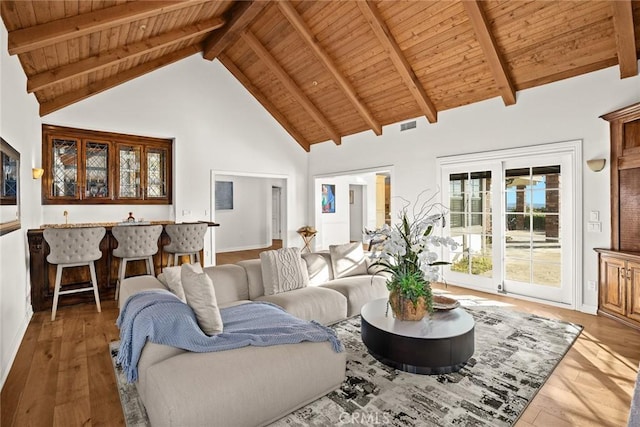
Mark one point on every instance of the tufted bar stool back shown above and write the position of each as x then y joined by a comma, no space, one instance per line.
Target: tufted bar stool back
135,242
186,239
73,247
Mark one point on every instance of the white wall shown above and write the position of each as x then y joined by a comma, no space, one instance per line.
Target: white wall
561,111
248,225
217,125
20,127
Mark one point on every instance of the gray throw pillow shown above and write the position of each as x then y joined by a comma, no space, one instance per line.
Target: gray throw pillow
172,280
201,297
283,270
348,260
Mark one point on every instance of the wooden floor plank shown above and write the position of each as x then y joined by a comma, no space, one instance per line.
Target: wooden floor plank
591,386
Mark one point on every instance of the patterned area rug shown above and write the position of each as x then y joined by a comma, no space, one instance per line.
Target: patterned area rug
515,353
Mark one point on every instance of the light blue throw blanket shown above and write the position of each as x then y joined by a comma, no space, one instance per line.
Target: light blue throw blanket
160,317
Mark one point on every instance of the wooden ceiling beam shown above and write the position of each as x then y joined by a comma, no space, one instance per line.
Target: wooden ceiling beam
238,19
102,85
488,45
301,27
290,85
60,30
625,37
262,99
381,30
119,55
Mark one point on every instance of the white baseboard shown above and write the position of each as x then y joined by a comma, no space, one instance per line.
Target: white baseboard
244,248
589,309
15,344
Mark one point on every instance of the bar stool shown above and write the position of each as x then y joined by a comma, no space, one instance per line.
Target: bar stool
186,239
135,242
73,247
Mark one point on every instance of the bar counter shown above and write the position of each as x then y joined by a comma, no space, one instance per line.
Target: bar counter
43,274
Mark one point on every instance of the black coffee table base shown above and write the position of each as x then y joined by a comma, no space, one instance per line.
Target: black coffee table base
417,355
439,344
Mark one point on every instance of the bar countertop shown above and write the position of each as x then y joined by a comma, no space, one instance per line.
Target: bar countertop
112,224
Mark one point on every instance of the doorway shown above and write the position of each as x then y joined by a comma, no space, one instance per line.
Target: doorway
276,217
513,214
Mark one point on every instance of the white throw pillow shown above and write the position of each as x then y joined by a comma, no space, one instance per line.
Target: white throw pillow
201,297
283,270
173,281
348,260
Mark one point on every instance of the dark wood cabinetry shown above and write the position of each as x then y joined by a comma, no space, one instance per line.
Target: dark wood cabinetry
619,267
91,167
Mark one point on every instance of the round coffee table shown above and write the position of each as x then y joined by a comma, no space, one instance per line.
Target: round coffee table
438,344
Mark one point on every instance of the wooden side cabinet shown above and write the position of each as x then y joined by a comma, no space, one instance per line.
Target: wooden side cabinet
619,287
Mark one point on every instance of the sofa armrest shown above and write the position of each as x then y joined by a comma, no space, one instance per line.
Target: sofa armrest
133,285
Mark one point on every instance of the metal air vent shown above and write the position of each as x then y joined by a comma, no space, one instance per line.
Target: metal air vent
407,126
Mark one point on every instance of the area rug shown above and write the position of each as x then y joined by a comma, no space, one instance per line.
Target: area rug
515,353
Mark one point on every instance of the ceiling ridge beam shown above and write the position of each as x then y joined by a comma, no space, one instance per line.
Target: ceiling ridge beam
488,45
290,85
381,30
130,74
262,99
625,37
60,30
119,55
238,18
303,30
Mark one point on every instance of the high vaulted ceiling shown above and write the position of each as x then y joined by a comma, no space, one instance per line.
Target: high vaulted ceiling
326,69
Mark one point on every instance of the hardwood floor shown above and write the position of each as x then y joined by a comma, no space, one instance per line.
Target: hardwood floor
233,257
62,375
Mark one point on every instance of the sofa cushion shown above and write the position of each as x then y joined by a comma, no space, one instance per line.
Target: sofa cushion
323,305
253,270
249,386
201,297
359,290
170,277
283,270
229,282
348,260
318,267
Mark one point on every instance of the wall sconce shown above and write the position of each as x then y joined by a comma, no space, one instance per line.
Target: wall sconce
37,173
596,165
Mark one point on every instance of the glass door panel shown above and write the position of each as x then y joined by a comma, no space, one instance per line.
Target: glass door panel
130,171
96,170
64,168
471,222
156,173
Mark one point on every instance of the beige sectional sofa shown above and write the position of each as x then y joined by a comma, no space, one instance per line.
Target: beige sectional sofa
251,386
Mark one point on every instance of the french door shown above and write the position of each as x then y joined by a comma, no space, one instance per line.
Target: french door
514,221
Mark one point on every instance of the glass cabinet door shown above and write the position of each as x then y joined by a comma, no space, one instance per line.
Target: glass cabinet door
64,167
130,171
96,155
156,167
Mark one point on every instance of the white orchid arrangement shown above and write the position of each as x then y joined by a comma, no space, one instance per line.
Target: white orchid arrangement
408,251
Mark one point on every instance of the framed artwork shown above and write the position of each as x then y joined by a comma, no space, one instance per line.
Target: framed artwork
328,198
9,188
224,195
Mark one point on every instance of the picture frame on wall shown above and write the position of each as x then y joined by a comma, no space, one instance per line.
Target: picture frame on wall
328,198
224,195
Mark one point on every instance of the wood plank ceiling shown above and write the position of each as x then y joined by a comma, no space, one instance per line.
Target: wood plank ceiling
326,69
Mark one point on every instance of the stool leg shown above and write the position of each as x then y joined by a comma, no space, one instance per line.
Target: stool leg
121,272
94,282
168,259
198,257
56,292
190,258
150,266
